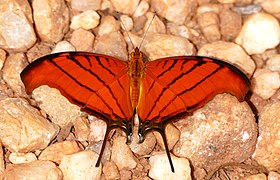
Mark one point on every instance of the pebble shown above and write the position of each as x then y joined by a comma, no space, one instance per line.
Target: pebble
231,52
22,128
59,109
96,147
155,25
217,133
2,159
19,158
13,66
84,5
260,32
108,25
141,9
86,20
97,129
256,177
267,149
209,24
82,129
16,28
175,11
270,6
56,151
111,171
265,83
273,63
226,1
273,176
127,22
160,167
247,9
43,170
178,30
82,40
112,44
51,19
80,165
3,57
63,46
122,155
172,136
125,6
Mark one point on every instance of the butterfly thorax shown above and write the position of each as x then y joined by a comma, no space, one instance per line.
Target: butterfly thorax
136,72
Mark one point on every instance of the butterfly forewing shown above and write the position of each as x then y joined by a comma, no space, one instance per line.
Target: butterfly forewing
97,83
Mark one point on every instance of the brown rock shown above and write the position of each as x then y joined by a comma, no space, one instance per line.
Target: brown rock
111,171
267,149
2,159
125,6
18,158
51,19
56,151
82,40
108,25
82,130
44,170
22,128
84,5
2,57
209,24
223,131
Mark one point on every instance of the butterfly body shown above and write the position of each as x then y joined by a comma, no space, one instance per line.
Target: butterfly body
116,91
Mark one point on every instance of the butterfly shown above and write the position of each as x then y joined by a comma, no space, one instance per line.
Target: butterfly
116,91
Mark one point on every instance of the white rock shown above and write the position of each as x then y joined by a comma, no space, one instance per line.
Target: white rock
142,8
176,30
175,11
125,6
80,165
273,63
256,177
97,129
63,46
226,1
229,51
22,128
51,19
82,40
127,22
108,24
160,167
16,28
270,6
273,176
86,20
84,5
266,83
155,25
59,109
122,155
260,32
18,158
82,129
43,170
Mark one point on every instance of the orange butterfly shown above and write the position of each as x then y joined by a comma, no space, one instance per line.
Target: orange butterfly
117,91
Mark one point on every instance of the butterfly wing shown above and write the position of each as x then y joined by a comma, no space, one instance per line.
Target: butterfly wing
178,85
97,83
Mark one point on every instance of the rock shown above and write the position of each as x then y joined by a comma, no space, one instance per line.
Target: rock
248,9
55,152
82,40
97,129
111,44
63,46
43,170
2,159
273,63
162,45
84,5
141,9
209,24
51,19
145,147
86,20
59,109
82,129
16,28
127,22
226,1
160,167
22,128
267,149
217,133
265,83
230,24
13,66
125,6
80,165
172,136
273,176
229,52
19,158
108,25
122,155
256,177
110,170
96,147
155,25
270,6
180,30
267,34
175,11
2,57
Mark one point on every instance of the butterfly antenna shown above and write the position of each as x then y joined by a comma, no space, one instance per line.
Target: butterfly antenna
126,32
147,31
